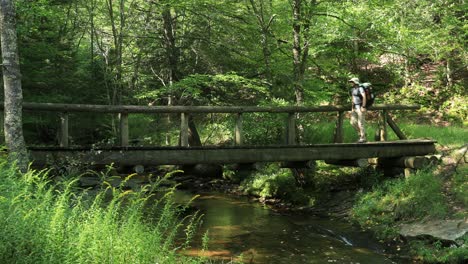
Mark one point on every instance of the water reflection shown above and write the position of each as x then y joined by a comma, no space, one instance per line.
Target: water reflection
251,233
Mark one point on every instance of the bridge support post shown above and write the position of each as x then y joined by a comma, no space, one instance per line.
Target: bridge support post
291,129
238,133
184,129
123,129
64,130
383,126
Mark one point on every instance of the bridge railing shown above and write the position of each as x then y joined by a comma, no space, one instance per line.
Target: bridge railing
184,111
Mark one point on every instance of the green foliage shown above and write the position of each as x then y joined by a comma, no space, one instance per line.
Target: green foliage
219,89
456,109
274,182
44,222
435,252
400,199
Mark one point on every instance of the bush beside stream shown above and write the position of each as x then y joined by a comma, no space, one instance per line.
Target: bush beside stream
46,222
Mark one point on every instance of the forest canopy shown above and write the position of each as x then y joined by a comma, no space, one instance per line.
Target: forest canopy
299,51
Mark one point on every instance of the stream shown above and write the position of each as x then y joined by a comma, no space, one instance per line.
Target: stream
249,232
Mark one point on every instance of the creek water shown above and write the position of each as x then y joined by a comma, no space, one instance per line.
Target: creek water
249,232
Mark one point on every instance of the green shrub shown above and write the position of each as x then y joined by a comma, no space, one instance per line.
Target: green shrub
400,199
274,182
435,252
45,222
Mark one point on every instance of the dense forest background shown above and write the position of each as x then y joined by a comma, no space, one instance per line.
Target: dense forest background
254,52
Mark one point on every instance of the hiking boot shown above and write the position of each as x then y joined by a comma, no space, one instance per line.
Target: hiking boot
362,140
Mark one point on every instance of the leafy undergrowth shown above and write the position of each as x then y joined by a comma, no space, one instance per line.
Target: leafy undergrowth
400,199
428,194
275,182
46,222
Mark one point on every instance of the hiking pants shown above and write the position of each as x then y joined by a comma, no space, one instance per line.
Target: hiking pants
358,121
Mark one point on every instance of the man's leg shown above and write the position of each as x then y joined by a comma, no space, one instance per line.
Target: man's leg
354,121
361,124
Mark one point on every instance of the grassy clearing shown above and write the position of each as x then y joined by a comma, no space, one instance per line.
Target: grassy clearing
448,136
45,222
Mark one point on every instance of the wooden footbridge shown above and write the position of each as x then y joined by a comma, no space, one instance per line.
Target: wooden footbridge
238,153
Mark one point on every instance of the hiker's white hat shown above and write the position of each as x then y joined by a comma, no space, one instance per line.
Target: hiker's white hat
354,80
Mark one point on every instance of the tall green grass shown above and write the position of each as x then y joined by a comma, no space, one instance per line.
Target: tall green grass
449,136
46,222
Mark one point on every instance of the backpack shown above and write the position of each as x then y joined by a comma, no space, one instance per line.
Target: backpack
370,96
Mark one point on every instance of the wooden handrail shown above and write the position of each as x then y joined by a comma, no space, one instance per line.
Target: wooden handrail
53,107
185,111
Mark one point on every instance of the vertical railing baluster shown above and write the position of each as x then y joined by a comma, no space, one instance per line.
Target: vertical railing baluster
184,130
291,129
238,133
123,129
64,130
338,136
383,129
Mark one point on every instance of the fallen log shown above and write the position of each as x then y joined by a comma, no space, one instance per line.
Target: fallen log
361,163
417,162
308,164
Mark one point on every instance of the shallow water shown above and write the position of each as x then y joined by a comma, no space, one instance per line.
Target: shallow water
249,232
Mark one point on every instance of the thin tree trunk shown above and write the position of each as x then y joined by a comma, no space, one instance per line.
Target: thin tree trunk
265,41
116,60
448,73
14,138
172,55
297,53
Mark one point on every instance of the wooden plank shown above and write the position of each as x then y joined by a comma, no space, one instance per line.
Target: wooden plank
197,109
123,117
228,155
64,130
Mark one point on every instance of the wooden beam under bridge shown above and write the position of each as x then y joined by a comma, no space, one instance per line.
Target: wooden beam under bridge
229,155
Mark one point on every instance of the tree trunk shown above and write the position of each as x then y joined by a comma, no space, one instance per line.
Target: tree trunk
172,55
265,29
116,57
172,58
301,17
448,73
12,85
298,76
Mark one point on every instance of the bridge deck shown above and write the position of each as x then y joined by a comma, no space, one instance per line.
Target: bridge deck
229,155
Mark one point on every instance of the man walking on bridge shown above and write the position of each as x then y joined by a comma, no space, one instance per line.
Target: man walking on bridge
358,109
